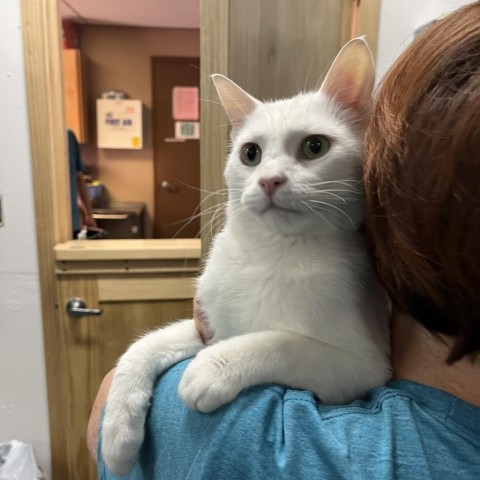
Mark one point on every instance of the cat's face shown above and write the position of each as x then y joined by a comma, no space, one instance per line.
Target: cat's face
295,164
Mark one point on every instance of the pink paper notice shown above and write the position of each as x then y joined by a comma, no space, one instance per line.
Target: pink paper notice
185,103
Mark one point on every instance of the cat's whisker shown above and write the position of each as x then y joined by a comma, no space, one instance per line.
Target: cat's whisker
221,192
216,192
345,182
336,208
347,188
239,112
317,212
193,217
349,180
205,199
350,191
187,222
346,196
333,195
212,225
319,209
216,102
216,209
209,224
210,101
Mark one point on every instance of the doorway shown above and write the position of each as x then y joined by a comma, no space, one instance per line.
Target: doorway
227,47
176,160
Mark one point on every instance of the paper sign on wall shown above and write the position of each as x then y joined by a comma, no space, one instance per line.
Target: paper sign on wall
185,103
119,124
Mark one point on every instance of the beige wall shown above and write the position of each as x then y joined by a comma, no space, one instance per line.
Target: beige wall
119,58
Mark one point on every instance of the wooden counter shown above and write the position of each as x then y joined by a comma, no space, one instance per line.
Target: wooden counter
164,248
128,256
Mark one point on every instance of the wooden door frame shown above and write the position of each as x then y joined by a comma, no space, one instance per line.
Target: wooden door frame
48,149
43,71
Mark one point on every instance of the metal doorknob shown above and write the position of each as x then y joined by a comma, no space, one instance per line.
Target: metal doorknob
76,308
168,186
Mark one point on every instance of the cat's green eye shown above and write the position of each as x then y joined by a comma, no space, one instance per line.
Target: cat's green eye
315,146
251,154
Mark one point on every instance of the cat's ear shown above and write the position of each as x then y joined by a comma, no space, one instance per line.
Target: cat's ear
351,77
238,104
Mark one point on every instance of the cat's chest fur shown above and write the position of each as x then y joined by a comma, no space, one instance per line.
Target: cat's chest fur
277,282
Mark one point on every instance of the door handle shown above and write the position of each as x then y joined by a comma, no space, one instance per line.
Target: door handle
76,308
169,186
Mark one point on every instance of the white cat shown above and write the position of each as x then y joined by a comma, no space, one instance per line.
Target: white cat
288,289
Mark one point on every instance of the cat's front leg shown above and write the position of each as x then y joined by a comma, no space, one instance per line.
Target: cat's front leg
129,395
218,373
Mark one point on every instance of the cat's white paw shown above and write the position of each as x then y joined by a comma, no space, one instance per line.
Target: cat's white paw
209,381
123,428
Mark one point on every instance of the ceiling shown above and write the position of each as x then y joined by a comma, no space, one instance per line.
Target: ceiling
139,13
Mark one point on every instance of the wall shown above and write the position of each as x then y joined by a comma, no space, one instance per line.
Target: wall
23,398
119,58
398,22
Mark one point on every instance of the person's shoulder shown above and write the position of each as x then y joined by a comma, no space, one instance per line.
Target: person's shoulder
399,430
402,404
287,433
277,396
263,414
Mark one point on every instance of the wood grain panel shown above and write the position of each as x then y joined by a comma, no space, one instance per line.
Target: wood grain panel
147,287
126,267
214,41
123,322
48,149
149,249
79,373
89,348
279,47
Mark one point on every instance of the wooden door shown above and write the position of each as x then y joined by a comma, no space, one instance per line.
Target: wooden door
176,162
138,291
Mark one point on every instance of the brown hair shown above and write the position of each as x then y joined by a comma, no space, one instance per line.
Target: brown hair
422,180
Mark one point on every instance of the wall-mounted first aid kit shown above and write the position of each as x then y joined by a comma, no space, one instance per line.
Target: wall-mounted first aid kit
119,124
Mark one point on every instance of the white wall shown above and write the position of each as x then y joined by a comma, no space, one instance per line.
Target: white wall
23,400
398,21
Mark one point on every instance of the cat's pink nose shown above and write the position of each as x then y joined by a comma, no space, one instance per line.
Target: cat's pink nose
269,185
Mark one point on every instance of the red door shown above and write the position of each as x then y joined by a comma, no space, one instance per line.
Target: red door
176,163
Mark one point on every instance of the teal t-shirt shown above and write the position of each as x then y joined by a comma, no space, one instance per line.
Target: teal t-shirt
401,431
